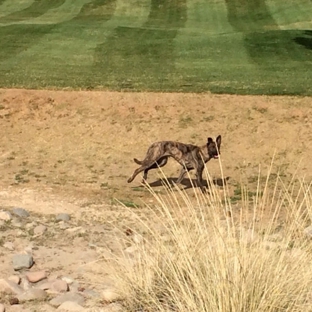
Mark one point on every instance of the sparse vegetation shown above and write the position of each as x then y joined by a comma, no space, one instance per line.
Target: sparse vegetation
254,257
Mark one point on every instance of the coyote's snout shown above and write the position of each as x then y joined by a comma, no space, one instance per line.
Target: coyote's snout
187,155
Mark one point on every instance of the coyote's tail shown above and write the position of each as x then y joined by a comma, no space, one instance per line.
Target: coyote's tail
139,162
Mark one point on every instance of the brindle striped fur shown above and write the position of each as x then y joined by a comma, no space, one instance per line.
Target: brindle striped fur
187,155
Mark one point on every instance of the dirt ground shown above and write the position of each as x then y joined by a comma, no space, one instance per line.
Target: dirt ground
72,151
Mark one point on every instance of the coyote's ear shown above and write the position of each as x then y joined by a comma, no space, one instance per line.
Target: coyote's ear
210,140
218,140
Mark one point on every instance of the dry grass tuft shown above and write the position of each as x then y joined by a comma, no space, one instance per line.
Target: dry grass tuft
211,256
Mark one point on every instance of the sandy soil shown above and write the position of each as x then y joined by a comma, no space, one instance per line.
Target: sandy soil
72,151
82,143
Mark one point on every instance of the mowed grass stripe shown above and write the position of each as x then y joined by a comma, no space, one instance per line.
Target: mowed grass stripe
68,48
142,57
292,15
66,12
235,46
37,8
269,46
8,6
207,18
208,55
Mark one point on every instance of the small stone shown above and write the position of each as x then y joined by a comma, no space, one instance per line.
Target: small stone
63,225
9,246
62,217
59,286
39,230
35,277
5,215
308,231
70,306
130,250
13,301
21,261
30,225
57,301
67,279
16,223
2,308
74,229
137,238
91,293
113,307
25,284
29,249
9,287
110,294
20,233
15,279
44,285
32,294
92,246
54,286
20,212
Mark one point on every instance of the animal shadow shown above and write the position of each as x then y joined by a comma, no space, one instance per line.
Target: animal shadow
187,183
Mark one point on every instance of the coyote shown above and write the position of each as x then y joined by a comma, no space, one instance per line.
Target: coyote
187,155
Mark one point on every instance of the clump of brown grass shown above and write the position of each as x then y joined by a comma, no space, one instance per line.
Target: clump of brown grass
210,256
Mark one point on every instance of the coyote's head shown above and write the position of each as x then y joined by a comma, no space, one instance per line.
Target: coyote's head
214,147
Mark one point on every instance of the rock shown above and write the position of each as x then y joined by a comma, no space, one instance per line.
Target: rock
40,229
2,308
67,279
112,307
32,294
62,217
44,285
19,233
30,225
110,294
29,249
74,229
9,246
35,277
131,250
63,225
21,261
73,297
5,215
92,246
308,231
59,286
13,301
54,286
20,212
16,223
9,287
137,238
74,286
15,279
70,306
91,293
25,284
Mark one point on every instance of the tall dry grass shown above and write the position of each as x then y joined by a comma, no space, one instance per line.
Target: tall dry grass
207,254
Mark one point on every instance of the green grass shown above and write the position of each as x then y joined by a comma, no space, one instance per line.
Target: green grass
229,46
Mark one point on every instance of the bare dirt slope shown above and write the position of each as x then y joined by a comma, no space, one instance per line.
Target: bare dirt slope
70,151
83,143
